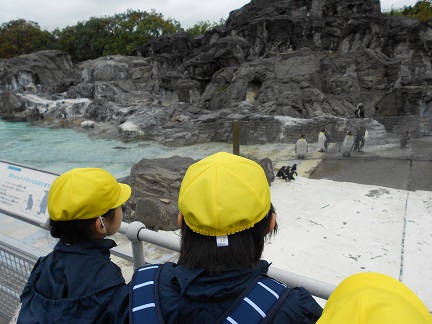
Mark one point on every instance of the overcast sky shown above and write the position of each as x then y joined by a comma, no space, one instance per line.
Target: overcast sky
50,14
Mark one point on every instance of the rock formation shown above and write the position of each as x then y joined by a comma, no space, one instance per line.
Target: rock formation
156,184
297,58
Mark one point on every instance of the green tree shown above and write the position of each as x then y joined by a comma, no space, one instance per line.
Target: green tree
96,37
86,40
18,37
422,11
135,28
66,40
202,26
118,34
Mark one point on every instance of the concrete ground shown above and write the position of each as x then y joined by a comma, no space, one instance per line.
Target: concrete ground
409,170
412,173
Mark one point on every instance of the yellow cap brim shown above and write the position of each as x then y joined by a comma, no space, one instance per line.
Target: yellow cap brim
125,193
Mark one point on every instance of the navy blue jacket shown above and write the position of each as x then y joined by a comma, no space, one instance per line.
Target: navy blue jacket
76,284
196,296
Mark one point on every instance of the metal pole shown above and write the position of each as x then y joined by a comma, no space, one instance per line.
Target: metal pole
315,287
159,239
236,138
132,233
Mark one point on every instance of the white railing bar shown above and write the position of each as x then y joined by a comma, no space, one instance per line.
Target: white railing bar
137,230
137,233
23,251
315,287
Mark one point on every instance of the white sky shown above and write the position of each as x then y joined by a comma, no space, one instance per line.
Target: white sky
62,13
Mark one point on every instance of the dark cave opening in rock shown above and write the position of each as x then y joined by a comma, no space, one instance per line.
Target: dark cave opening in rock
253,90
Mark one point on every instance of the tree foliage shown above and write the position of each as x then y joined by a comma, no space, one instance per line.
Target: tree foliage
202,26
422,11
95,37
86,40
18,37
134,28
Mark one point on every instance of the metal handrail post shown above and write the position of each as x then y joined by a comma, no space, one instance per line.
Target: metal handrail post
132,233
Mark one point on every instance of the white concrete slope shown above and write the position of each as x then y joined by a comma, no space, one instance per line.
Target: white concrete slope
329,230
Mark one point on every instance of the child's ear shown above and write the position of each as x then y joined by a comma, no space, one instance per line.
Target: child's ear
272,223
179,219
99,227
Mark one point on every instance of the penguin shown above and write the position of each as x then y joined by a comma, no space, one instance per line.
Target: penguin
282,173
289,177
322,141
301,147
348,144
289,174
293,169
366,137
359,112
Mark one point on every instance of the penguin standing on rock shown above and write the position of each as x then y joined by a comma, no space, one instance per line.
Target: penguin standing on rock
360,112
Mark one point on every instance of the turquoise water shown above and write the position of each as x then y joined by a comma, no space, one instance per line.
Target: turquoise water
58,150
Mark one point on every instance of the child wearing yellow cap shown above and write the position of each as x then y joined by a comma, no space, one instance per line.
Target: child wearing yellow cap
374,298
225,214
77,282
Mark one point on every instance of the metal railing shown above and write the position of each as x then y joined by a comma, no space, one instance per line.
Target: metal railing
17,260
137,232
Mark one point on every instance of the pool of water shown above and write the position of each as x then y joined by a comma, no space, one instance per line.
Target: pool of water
59,150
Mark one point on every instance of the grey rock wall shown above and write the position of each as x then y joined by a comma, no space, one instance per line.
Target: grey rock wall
298,58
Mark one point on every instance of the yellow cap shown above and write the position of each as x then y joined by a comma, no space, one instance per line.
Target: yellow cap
374,298
224,194
85,193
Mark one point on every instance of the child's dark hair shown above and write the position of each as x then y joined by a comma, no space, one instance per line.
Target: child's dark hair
244,250
76,231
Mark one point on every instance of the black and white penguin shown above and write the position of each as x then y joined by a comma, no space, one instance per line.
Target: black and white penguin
348,144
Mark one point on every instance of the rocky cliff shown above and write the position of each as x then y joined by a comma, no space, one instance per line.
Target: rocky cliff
281,68
310,60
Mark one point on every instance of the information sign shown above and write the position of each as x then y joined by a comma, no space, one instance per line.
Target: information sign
24,192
